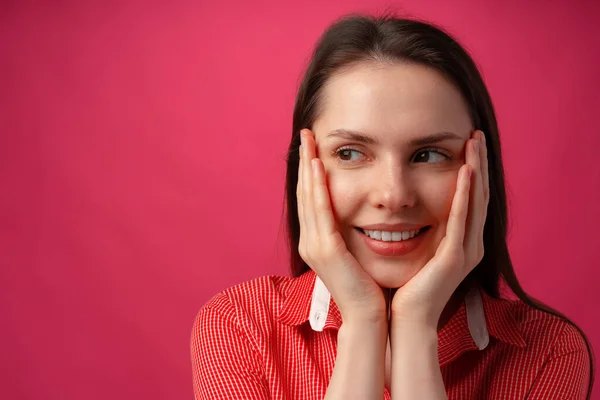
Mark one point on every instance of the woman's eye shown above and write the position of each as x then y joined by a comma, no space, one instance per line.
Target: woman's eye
422,156
348,155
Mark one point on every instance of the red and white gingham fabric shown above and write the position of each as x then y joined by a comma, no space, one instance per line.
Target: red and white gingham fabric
254,341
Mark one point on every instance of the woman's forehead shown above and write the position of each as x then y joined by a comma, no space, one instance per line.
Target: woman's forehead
398,98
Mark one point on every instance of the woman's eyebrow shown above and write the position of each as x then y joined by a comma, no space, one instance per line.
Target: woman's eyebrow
366,139
355,136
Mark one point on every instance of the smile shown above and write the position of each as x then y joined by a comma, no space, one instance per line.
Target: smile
386,236
394,244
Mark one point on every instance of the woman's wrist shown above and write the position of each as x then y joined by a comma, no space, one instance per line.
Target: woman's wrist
415,366
359,365
360,319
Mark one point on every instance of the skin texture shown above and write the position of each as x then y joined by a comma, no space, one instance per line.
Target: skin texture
387,180
390,182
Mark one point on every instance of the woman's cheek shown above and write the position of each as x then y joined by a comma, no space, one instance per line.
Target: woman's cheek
343,194
441,203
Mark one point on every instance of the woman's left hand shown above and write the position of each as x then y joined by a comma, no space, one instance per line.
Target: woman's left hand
423,298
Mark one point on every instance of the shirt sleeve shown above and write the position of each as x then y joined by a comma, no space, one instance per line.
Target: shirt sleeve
225,364
565,374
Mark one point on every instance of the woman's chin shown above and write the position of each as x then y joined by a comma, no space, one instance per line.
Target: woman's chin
390,272
391,283
391,277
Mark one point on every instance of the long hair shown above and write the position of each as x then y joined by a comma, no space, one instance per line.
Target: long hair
359,38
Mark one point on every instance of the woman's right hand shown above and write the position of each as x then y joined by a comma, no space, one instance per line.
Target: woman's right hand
322,247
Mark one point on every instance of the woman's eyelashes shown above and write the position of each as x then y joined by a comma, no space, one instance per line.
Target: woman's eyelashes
349,155
344,154
442,155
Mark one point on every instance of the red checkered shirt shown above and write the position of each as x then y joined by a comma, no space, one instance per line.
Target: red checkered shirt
254,341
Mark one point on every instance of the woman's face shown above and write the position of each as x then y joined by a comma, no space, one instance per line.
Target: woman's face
367,136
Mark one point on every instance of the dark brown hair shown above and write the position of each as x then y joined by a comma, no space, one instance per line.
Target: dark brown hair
359,38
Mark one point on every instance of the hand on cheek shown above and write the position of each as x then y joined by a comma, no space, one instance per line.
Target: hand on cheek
424,297
322,247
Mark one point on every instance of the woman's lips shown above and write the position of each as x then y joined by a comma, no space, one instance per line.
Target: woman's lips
393,249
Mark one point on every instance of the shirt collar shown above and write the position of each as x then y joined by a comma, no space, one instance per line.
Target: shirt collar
298,296
307,300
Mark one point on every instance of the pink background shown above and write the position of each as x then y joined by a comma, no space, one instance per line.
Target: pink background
142,170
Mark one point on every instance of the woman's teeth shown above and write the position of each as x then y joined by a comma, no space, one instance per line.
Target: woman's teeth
392,236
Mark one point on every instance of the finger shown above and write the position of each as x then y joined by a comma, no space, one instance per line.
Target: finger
485,178
455,230
485,197
299,195
322,202
311,145
472,235
307,185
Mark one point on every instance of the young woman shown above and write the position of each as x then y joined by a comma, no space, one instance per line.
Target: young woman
397,223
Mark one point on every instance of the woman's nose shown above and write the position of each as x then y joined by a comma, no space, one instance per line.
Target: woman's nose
392,188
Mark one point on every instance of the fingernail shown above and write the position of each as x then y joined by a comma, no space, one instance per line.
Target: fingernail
476,145
301,138
482,138
313,164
